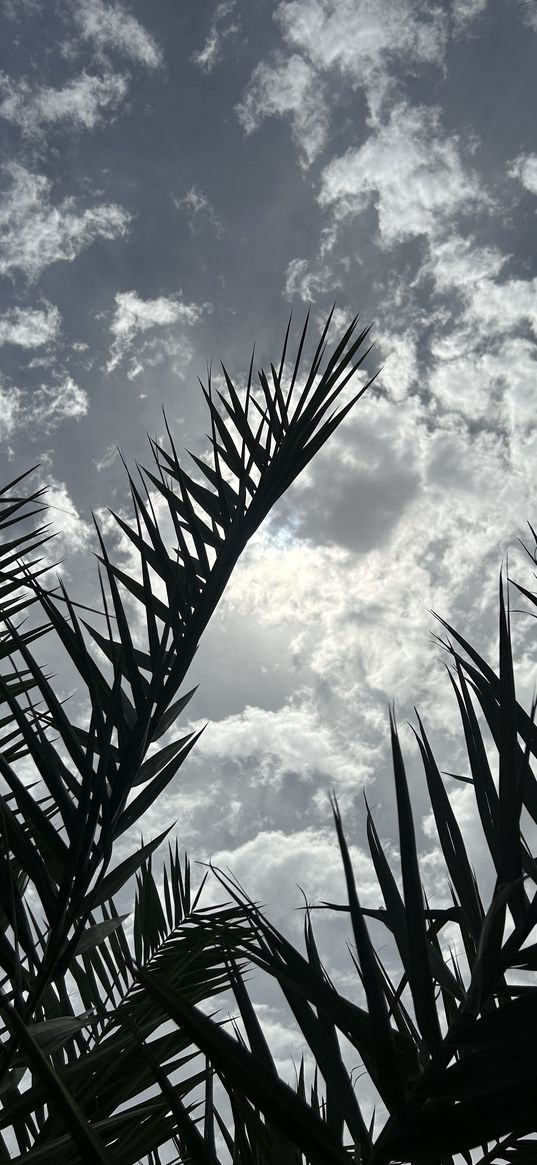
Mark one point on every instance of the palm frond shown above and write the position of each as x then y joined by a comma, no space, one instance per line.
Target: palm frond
67,961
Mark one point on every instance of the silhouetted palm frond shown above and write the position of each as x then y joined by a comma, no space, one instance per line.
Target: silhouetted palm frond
109,1050
85,1072
446,1040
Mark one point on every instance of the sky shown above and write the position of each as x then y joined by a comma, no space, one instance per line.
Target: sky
175,179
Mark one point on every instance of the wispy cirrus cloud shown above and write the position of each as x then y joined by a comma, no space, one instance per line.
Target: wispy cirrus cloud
48,406
198,209
80,103
221,28
112,28
30,327
40,411
34,232
134,315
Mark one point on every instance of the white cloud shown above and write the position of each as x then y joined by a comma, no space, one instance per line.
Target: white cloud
272,863
197,206
108,457
499,307
9,410
30,327
457,264
471,272
358,37
111,27
47,407
486,384
413,176
81,102
134,315
42,410
290,86
34,233
525,169
399,363
369,42
304,283
73,534
289,742
463,12
220,30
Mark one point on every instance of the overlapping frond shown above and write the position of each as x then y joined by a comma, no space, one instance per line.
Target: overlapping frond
71,1015
108,1049
446,1031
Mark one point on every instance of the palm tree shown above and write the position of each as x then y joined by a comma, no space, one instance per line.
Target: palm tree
107,1054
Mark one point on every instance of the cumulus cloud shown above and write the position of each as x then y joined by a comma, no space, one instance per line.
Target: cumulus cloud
35,233
271,863
288,87
289,743
413,176
498,384
112,28
358,619
360,40
400,362
80,103
460,264
134,315
367,42
492,304
360,37
30,327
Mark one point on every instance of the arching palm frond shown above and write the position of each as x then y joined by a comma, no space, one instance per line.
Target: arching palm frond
445,1032
65,997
